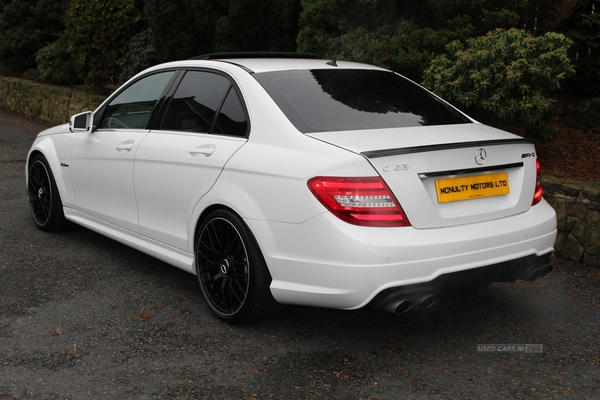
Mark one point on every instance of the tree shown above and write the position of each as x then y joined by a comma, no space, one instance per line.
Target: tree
248,25
26,26
403,36
207,26
505,76
97,33
54,63
584,29
182,28
406,35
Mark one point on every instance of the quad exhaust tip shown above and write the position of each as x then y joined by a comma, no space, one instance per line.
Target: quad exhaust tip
427,301
402,305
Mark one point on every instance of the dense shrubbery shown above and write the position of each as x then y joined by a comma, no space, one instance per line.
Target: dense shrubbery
55,64
186,28
98,32
506,76
27,26
392,34
181,28
105,42
266,25
586,31
406,35
140,55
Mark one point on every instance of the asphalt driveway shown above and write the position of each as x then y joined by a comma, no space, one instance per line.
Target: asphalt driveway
83,317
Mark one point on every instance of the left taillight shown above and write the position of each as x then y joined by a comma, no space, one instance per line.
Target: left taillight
537,195
365,201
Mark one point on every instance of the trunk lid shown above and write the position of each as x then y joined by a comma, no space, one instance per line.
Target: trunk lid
448,175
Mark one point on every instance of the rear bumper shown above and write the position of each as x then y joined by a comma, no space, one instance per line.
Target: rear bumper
422,295
325,262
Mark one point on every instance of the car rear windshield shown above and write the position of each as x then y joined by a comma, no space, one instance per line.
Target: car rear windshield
349,99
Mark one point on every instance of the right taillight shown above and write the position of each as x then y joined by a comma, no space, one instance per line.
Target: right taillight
365,201
537,195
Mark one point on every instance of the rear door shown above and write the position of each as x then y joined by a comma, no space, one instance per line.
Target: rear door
205,123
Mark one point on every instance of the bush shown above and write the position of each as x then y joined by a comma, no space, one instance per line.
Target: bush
385,33
505,76
209,26
249,25
25,27
98,32
140,55
55,64
181,28
586,34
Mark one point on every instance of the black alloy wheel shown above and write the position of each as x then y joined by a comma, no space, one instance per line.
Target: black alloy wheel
44,200
232,273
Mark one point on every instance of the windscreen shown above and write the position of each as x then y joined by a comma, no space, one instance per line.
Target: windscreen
353,99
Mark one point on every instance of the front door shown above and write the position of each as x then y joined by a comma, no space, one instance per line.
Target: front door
101,161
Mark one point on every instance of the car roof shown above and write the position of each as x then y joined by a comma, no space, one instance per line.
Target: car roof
259,65
266,63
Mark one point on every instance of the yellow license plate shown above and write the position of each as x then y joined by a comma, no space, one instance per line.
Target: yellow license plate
472,187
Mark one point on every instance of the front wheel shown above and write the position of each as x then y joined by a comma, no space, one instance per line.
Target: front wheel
45,204
231,270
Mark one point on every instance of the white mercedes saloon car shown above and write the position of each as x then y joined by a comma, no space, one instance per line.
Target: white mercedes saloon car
287,179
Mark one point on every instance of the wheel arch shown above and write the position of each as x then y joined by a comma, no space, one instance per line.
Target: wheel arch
48,151
202,217
219,197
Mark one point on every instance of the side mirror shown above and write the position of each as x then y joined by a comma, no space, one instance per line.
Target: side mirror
81,122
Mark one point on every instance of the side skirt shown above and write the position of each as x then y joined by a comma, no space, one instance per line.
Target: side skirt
176,257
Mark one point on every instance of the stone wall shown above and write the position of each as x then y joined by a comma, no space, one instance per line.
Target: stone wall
48,103
577,204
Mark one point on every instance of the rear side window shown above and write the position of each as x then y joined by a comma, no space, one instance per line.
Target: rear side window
231,119
345,99
206,102
132,108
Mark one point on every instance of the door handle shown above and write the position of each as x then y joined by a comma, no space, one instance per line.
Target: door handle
125,146
206,150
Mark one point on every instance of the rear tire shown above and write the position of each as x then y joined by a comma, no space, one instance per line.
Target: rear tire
45,204
231,270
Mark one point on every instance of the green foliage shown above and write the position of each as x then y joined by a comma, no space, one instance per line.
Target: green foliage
182,28
98,32
25,27
587,35
406,35
380,32
55,64
587,31
267,25
506,76
140,55
187,28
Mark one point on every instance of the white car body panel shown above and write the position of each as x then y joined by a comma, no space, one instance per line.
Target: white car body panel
101,165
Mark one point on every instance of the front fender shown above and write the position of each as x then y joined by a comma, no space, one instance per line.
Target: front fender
55,149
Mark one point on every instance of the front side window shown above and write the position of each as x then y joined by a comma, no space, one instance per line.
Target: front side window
206,103
132,108
347,99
